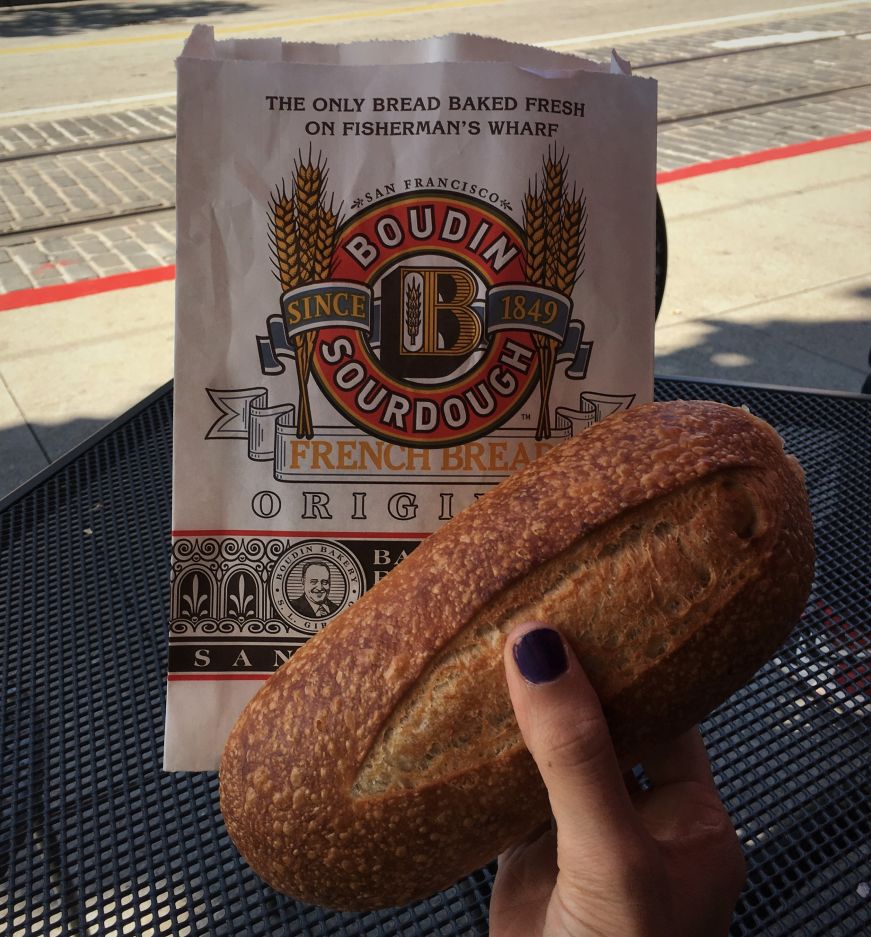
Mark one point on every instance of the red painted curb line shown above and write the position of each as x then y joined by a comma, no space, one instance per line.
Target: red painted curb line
763,156
39,295
53,294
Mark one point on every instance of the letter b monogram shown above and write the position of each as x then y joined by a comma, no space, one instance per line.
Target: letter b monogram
437,311
429,326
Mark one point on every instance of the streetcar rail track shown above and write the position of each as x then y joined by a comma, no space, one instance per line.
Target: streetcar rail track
85,147
97,145
728,53
771,102
89,145
26,234
134,211
103,215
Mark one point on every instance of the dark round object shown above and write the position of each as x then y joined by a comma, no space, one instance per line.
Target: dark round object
661,255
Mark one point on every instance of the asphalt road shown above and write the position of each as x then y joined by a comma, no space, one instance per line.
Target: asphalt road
75,58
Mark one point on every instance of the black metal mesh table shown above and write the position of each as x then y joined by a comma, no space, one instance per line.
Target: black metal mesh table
96,839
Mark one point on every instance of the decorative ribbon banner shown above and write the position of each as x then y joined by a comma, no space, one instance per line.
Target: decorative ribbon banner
575,350
517,307
274,346
323,304
533,308
313,306
271,436
528,308
245,414
592,408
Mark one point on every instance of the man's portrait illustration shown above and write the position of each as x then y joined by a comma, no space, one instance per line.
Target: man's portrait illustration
314,601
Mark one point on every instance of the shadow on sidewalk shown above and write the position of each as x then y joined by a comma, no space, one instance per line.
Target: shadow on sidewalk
26,450
70,18
824,351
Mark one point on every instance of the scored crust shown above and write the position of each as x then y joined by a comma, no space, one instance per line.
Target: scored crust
671,543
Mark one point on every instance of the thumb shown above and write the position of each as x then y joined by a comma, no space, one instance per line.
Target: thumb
563,727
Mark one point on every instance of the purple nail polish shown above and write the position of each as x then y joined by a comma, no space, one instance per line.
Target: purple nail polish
540,655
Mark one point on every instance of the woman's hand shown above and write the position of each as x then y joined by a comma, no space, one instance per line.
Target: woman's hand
659,863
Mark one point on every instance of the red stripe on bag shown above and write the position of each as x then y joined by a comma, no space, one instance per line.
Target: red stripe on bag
175,677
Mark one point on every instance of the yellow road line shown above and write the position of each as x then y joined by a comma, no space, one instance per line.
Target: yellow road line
378,13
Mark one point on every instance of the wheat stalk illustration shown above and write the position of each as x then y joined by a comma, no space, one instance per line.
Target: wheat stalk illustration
554,176
303,233
570,256
307,195
325,242
533,224
412,309
285,250
554,228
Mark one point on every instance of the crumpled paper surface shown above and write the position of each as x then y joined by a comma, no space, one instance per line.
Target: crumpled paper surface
405,270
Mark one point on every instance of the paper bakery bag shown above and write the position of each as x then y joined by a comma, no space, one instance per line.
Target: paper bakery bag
405,270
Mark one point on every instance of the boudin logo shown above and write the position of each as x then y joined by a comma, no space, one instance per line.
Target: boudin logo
426,321
433,361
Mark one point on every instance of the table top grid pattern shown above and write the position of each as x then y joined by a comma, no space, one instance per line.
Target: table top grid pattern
96,839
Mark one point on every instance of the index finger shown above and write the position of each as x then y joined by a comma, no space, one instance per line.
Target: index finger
561,721
680,759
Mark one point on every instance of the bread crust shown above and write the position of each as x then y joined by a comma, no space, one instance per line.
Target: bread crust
383,763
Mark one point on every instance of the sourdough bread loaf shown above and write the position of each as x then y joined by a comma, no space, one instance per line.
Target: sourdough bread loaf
671,544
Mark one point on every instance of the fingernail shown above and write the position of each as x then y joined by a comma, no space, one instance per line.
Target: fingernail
540,655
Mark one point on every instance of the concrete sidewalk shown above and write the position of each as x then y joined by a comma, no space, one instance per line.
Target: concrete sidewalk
69,367
769,277
769,281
